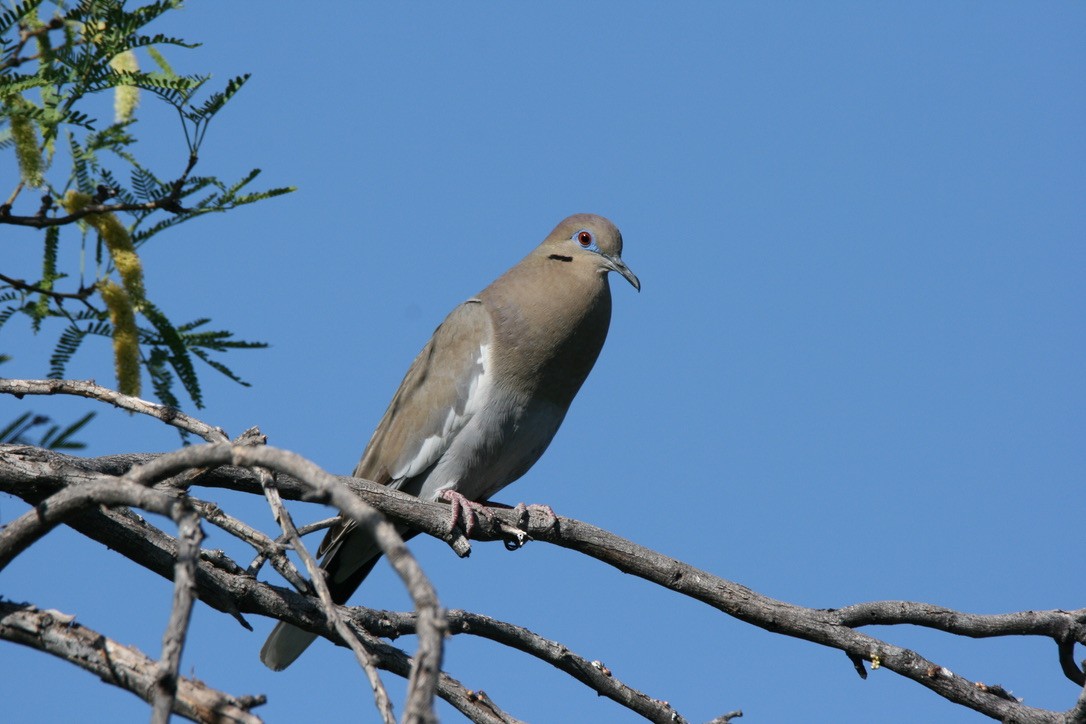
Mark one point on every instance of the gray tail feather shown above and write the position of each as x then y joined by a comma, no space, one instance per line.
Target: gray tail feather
347,566
284,645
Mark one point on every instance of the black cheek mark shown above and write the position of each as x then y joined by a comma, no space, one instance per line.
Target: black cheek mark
559,257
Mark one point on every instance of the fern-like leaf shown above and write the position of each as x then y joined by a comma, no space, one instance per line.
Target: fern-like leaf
57,439
179,356
67,346
9,18
161,379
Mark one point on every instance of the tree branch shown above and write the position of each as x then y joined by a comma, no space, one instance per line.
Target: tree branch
189,536
88,388
24,286
833,628
122,666
171,203
316,575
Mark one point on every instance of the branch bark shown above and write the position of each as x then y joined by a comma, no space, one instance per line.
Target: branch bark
40,476
121,666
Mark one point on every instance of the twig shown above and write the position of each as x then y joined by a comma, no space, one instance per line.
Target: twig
22,285
1064,630
29,527
122,666
168,203
326,488
593,674
258,561
88,388
29,473
316,575
189,536
265,546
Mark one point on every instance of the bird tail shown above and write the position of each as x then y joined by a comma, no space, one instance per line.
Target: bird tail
347,565
285,644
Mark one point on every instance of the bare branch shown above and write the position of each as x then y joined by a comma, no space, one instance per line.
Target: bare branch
189,536
42,472
427,661
59,297
593,674
122,666
266,548
88,388
18,535
282,516
1064,629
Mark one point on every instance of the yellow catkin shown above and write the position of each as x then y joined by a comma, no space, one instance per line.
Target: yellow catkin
117,241
27,151
125,97
126,343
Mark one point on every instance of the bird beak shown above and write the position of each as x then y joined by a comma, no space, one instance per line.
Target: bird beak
616,264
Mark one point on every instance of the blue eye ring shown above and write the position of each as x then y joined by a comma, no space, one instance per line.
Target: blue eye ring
585,238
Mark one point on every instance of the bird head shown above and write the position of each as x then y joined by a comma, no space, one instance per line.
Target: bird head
589,239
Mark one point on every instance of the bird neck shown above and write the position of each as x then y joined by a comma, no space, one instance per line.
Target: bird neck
550,320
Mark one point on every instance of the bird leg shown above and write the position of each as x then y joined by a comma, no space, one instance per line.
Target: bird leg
464,511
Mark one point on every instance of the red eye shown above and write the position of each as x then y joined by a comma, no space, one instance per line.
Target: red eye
584,238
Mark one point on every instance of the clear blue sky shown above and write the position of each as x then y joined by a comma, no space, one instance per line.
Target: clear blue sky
855,371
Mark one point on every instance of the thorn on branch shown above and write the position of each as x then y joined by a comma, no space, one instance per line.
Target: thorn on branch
858,664
997,690
46,206
104,192
1066,649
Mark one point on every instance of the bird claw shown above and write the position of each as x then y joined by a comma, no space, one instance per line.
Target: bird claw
524,513
515,538
464,512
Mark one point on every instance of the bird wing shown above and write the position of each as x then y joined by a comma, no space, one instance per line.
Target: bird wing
442,390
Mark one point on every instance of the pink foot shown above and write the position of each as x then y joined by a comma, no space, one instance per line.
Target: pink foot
464,511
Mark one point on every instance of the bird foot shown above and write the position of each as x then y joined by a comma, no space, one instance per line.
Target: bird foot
465,513
515,538
524,512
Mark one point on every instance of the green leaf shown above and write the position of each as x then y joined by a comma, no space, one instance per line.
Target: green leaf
11,17
161,379
179,357
13,433
48,276
219,99
62,440
66,347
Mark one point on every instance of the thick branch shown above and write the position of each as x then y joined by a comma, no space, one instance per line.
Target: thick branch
830,628
116,664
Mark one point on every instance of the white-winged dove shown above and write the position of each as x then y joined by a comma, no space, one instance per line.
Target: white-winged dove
486,395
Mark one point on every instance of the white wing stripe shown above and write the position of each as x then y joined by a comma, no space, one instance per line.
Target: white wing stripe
434,446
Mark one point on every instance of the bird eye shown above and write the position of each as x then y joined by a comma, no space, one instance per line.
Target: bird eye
584,238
